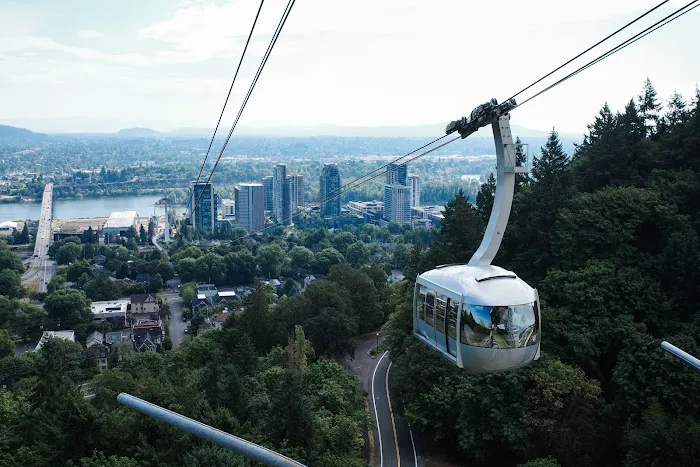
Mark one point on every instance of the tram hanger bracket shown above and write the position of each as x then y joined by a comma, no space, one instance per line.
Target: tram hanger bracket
481,116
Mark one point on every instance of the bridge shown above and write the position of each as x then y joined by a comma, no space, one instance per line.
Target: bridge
41,268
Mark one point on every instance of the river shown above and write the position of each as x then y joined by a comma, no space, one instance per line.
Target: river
84,207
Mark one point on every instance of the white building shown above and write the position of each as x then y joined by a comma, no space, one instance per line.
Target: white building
110,309
414,183
368,209
281,199
228,206
119,223
6,228
430,216
296,191
250,205
397,203
67,335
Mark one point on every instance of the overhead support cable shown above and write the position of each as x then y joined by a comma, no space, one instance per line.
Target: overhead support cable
588,49
659,24
206,156
273,41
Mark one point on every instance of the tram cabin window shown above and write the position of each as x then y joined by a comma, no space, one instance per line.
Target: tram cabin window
430,308
502,327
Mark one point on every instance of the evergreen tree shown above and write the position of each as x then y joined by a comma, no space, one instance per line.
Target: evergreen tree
649,107
484,199
143,237
24,236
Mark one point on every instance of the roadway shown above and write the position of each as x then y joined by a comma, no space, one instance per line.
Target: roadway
177,326
395,443
40,267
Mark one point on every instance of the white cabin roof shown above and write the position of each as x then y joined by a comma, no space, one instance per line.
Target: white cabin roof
479,285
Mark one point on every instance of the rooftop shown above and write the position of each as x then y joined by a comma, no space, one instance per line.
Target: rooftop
9,224
121,219
110,307
67,335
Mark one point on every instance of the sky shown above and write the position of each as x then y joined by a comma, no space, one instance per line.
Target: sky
79,65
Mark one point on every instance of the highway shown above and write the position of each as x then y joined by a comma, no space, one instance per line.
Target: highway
41,268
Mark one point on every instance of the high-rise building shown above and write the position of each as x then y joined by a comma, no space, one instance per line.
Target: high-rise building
281,199
414,183
397,203
268,192
396,174
203,215
249,201
330,184
296,191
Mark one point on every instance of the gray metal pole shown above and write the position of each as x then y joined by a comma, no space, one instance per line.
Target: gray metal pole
248,449
683,355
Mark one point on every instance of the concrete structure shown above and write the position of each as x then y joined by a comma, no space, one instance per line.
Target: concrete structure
67,335
119,223
250,205
414,183
397,174
228,206
41,268
6,228
204,211
433,214
397,204
296,191
268,192
281,197
110,309
330,185
370,210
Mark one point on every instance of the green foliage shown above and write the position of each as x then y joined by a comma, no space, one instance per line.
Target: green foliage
10,283
9,260
68,253
7,345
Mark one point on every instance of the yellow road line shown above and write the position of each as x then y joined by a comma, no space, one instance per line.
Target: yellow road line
391,412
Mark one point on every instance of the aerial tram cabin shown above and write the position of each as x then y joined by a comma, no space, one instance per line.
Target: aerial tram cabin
481,317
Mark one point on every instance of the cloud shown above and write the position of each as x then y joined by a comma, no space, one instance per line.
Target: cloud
33,43
90,34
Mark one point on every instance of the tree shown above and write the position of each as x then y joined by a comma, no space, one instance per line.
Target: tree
131,233
143,236
484,199
301,259
69,307
10,283
57,282
270,259
649,107
167,343
8,260
24,236
68,253
327,258
157,283
209,268
7,345
101,288
256,317
357,254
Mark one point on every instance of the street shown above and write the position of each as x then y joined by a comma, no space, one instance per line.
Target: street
177,326
41,268
394,441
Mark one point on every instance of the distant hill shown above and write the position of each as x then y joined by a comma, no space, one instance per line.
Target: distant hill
138,133
11,132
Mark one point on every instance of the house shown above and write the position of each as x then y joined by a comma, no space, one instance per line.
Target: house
144,303
101,354
143,278
67,335
275,283
208,295
99,259
147,335
115,337
95,339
